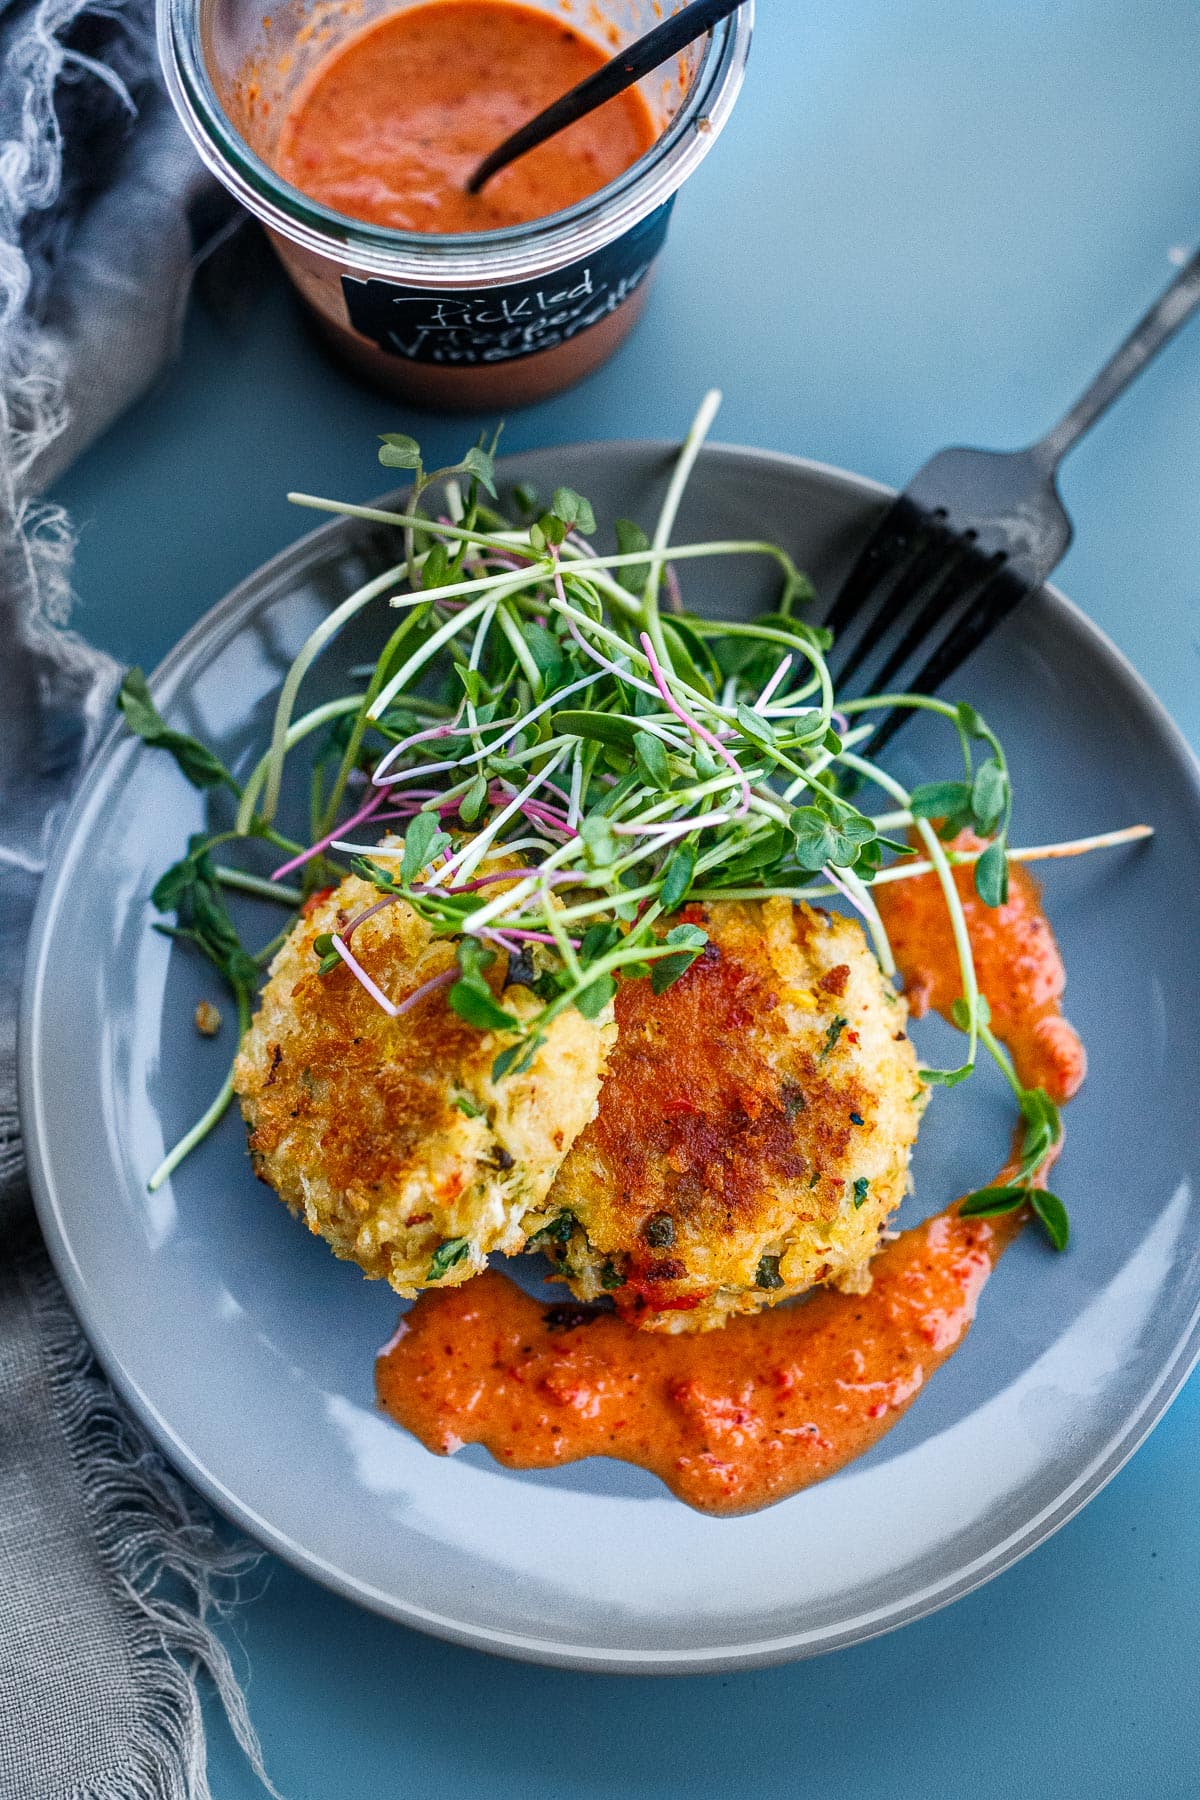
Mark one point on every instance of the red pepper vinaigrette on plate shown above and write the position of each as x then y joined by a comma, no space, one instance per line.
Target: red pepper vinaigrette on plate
735,1419
350,127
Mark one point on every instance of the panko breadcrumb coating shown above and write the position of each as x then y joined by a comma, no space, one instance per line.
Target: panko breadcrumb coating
388,1135
754,1129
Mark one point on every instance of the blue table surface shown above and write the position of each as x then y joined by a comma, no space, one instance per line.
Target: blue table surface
927,223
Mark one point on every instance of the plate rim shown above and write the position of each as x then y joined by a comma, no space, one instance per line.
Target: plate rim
792,1646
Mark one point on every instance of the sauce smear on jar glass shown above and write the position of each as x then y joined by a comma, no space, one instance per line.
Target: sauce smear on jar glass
391,125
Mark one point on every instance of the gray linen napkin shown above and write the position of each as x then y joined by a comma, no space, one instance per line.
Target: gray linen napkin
109,1567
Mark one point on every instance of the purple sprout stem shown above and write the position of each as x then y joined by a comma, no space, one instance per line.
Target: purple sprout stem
362,917
842,889
377,994
431,986
360,975
554,877
773,685
434,732
706,737
323,843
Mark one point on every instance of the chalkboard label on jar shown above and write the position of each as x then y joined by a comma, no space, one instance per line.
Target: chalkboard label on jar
467,326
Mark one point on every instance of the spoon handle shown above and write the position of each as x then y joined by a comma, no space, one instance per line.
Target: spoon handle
629,65
1174,306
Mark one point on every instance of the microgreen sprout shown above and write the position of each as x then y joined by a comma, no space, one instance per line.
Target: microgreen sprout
566,758
1042,1131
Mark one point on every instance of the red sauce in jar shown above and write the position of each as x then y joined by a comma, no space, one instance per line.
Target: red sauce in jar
389,127
735,1419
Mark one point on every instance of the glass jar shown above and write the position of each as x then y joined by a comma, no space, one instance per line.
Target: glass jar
482,320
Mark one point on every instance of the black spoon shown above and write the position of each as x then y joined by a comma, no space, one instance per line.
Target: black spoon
629,65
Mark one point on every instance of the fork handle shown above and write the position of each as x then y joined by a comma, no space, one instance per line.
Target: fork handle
1171,310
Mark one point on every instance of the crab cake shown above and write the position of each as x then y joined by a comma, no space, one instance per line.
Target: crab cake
754,1128
388,1135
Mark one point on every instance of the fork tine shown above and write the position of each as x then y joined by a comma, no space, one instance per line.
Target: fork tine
889,543
962,580
927,567
994,601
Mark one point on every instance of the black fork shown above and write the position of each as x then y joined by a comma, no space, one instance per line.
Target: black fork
972,534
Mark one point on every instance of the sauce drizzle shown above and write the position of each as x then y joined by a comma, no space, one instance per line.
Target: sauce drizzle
1017,964
730,1420
735,1419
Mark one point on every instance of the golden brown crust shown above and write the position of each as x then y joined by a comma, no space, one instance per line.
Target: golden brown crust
388,1134
737,1113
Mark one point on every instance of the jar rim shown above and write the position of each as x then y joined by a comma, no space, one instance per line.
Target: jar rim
485,256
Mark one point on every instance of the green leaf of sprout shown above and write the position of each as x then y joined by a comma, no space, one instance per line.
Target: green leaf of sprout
600,845
651,757
989,793
1039,1109
946,1078
546,652
852,834
189,888
479,463
573,510
860,1191
991,874
631,539
1053,1215
447,1256
379,877
474,958
597,727
436,570
472,802
517,1058
677,877
471,997
754,726
990,1202
423,840
971,721
666,970
398,451
598,940
504,1062
478,1007
688,656
940,799
814,838
960,1012
195,760
470,1109
765,850
592,1001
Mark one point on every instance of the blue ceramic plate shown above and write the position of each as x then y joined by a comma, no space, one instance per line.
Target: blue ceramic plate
247,1350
